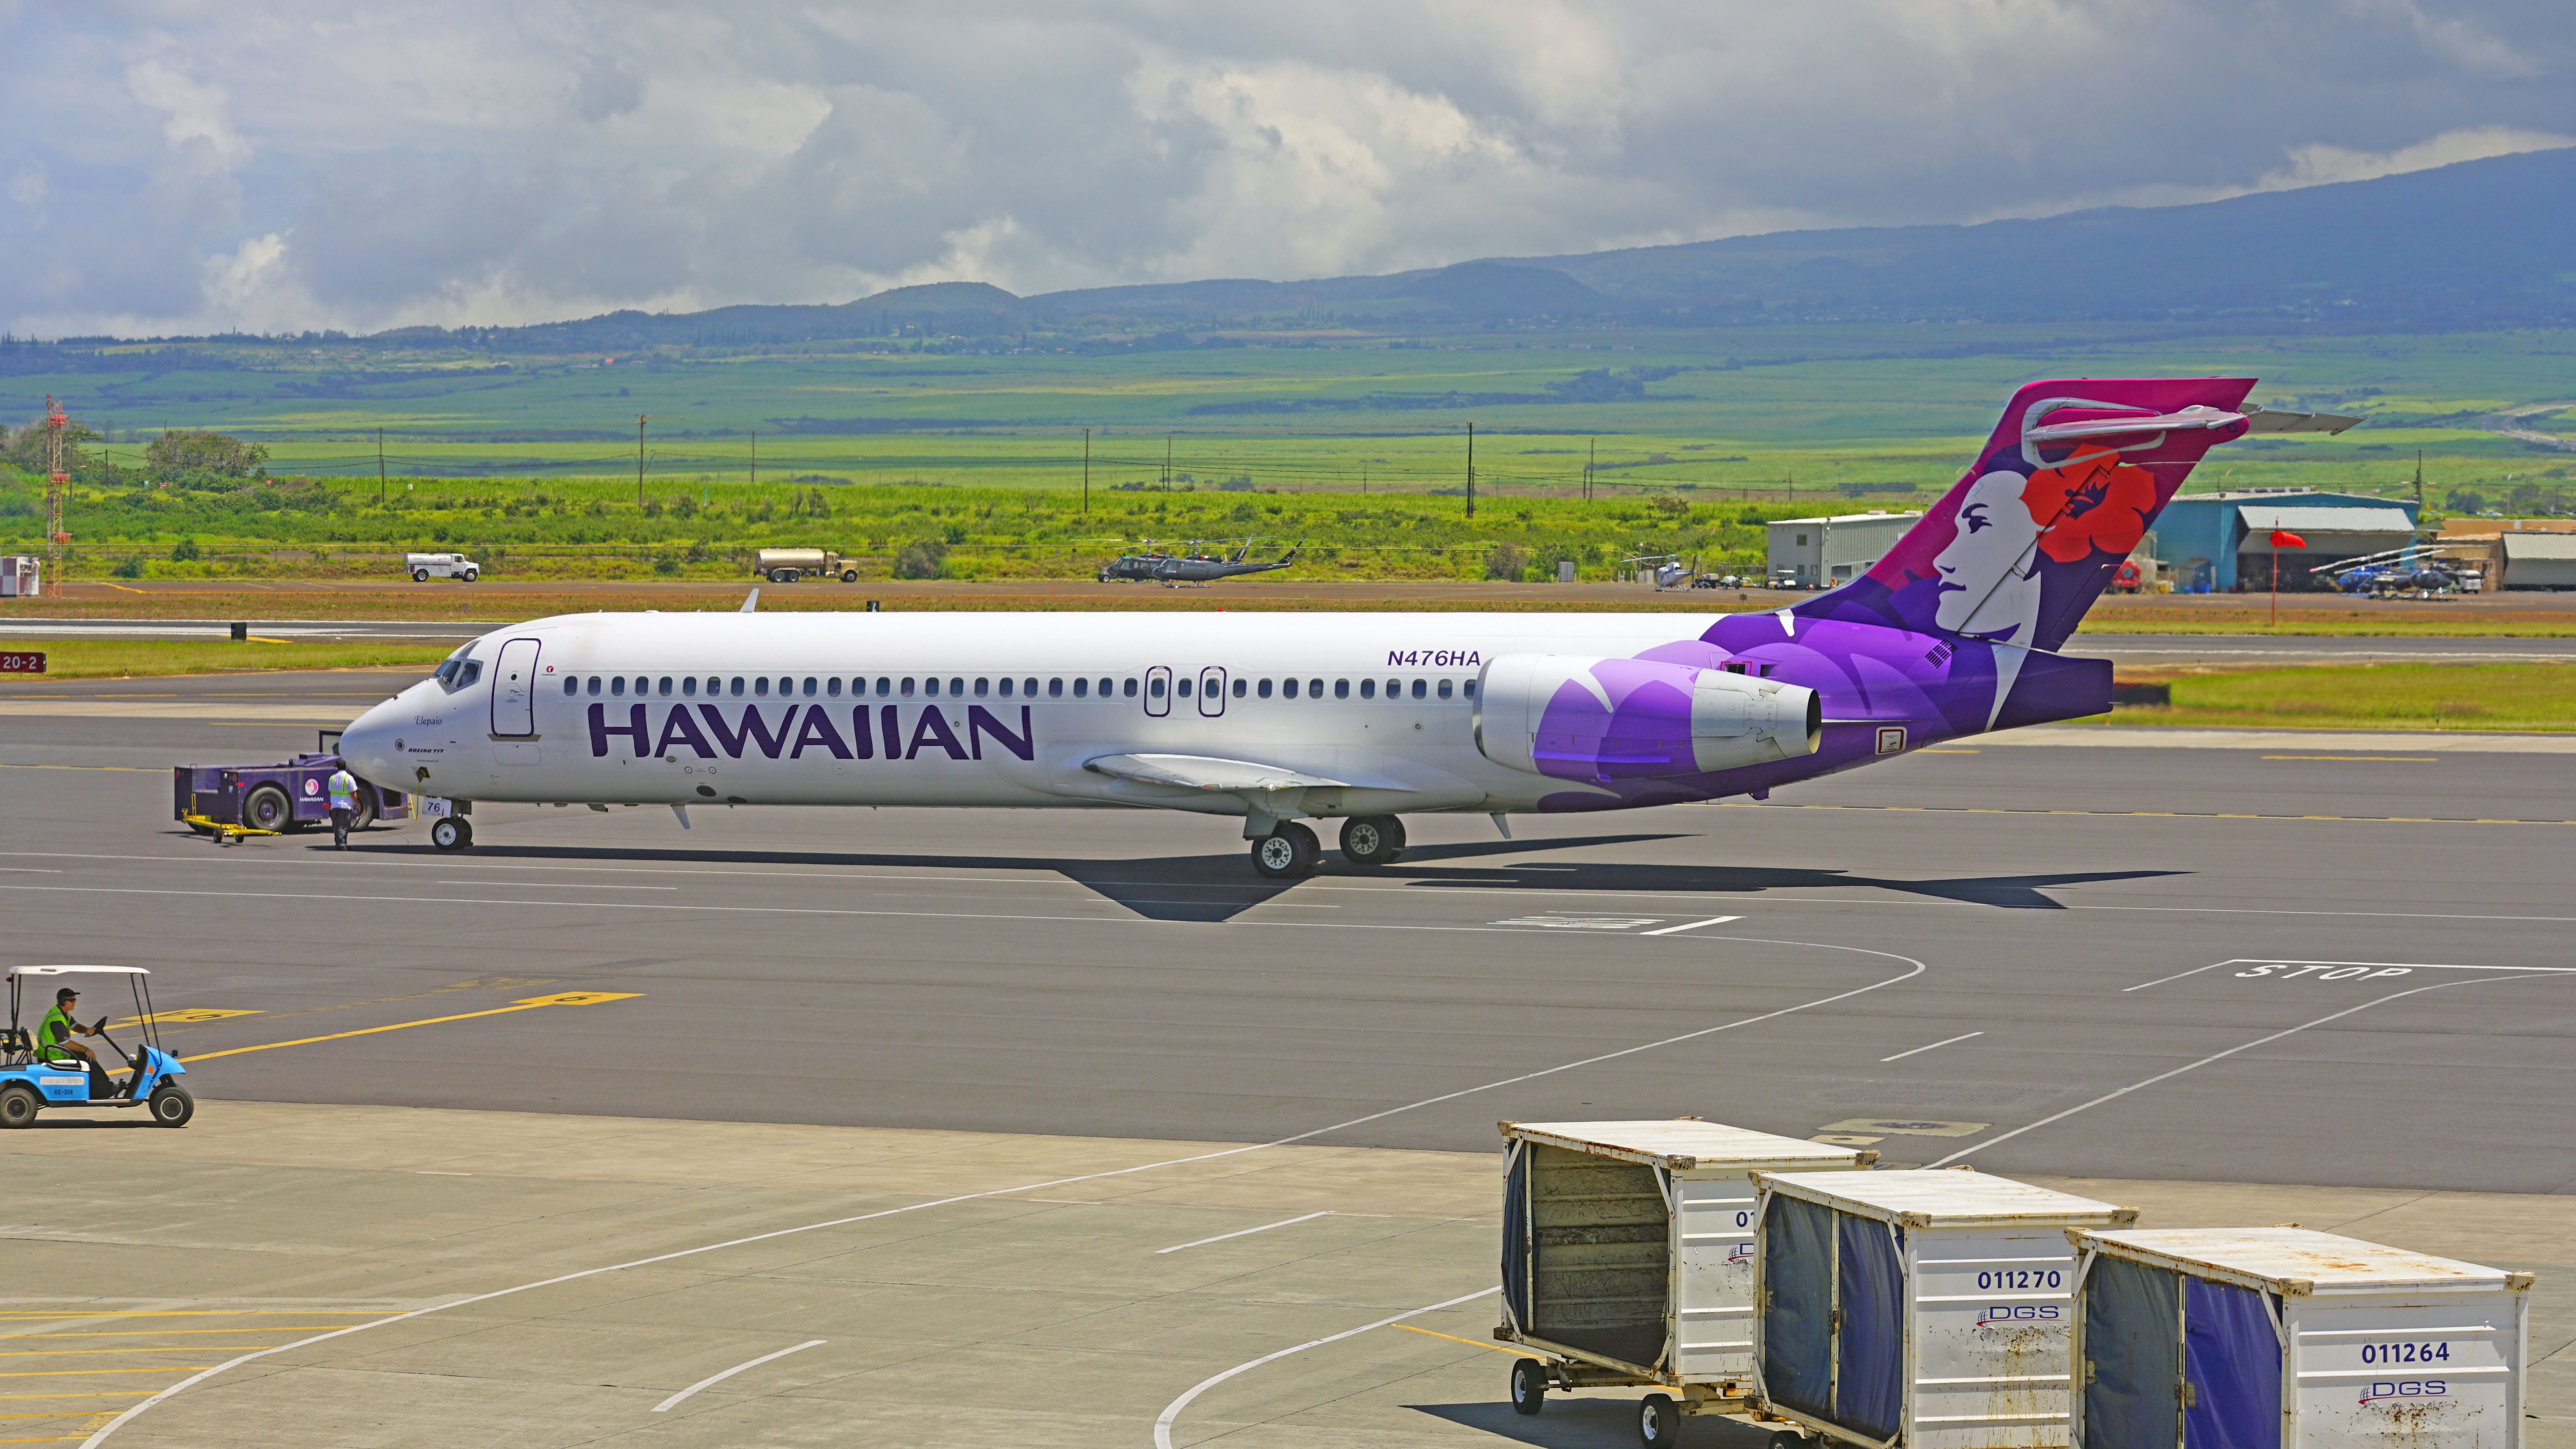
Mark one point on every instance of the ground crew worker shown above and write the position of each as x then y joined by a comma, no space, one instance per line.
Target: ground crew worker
53,1042
344,805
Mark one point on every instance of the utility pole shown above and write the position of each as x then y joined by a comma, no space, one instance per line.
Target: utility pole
1167,460
1471,470
1591,460
380,467
639,459
57,483
1086,472
755,457
2419,482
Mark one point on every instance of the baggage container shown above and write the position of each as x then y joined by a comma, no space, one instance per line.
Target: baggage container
1628,1255
1924,1307
2283,1338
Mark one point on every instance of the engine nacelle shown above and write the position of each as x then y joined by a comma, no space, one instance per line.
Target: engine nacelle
1578,718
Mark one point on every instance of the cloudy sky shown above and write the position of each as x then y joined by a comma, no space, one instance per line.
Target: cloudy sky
274,165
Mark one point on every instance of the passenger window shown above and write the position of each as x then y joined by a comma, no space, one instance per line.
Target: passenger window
786,687
907,688
662,686
1314,689
1341,689
1288,687
833,688
1420,688
760,686
689,685
1394,687
737,686
1265,689
1006,689
884,685
809,686
1154,687
956,686
930,685
1055,688
1368,689
1081,687
984,687
1104,688
571,685
1029,686
1182,687
1471,689
1444,689
1240,686
594,684
617,685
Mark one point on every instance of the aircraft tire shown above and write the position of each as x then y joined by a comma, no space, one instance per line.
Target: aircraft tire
450,833
1287,853
1370,841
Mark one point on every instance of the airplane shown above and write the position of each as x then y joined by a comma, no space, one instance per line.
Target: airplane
1196,568
1276,719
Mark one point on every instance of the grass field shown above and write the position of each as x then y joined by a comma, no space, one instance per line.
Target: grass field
123,659
2375,697
1355,445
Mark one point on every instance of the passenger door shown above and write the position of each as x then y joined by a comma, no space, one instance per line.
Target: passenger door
1211,691
514,689
1158,691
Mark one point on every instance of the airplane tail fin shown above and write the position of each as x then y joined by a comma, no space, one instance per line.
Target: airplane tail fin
2069,481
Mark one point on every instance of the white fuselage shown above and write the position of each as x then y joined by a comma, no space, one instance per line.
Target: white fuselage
962,709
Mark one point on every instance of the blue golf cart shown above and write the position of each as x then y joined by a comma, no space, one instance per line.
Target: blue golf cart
29,1085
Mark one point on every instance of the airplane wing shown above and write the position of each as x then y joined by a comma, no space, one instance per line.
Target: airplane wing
1203,772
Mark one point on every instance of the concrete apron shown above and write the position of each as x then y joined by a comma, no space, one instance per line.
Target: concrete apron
975,1288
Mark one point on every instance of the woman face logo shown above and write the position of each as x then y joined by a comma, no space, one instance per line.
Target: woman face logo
1989,576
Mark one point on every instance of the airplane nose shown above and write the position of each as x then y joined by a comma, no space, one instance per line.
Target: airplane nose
368,743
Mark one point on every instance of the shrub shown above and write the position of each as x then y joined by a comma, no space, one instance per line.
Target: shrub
129,567
1503,561
665,564
920,560
184,551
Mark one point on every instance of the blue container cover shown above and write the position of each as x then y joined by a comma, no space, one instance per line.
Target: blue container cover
1798,1283
1870,1390
2132,1369
2232,1360
1516,1238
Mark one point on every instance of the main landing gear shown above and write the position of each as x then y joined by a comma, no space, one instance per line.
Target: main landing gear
1291,851
1287,853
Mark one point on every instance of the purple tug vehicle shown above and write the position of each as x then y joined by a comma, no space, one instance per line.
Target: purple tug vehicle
224,801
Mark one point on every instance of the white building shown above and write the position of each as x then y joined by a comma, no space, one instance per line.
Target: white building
1807,552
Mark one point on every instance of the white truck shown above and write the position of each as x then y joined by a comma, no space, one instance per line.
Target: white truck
787,565
426,566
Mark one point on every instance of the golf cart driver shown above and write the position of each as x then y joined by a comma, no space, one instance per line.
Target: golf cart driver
54,1044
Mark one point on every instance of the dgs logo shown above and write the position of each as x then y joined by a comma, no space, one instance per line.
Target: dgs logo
2020,1313
2406,1389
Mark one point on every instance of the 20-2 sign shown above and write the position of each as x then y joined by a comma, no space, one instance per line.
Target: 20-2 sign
21,662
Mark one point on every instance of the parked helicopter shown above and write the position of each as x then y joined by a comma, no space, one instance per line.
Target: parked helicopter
1190,568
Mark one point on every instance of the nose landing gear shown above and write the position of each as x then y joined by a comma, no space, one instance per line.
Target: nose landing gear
451,832
1287,853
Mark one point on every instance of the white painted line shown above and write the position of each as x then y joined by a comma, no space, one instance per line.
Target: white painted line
1693,926
1172,1410
1945,1041
102,1433
2177,976
2399,966
562,885
2205,1061
665,1406
1247,1232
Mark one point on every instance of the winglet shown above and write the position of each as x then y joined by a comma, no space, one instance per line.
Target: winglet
751,603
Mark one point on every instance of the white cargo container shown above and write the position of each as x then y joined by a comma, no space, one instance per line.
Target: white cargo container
2283,1338
1628,1256
21,576
1922,1307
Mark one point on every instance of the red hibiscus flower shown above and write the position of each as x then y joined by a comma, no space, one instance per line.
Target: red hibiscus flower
2090,501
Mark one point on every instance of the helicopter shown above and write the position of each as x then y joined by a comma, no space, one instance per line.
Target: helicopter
1190,568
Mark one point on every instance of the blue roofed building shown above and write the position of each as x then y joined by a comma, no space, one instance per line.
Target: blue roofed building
2219,542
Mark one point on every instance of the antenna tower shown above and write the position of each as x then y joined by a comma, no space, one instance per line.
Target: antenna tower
57,484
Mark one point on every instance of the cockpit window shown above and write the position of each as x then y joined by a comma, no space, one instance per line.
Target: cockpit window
458,674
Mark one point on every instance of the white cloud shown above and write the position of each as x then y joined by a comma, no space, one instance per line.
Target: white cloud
2320,165
274,163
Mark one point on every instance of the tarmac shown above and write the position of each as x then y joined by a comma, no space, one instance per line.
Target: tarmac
1043,1104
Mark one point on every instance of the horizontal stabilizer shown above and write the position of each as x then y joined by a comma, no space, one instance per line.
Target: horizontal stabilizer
1202,772
2264,420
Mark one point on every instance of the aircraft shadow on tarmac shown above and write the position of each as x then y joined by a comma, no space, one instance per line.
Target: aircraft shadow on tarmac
1216,888
1587,1423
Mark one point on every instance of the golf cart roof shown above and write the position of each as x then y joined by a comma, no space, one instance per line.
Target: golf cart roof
71,970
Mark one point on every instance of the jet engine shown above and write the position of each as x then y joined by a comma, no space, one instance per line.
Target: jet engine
1578,718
